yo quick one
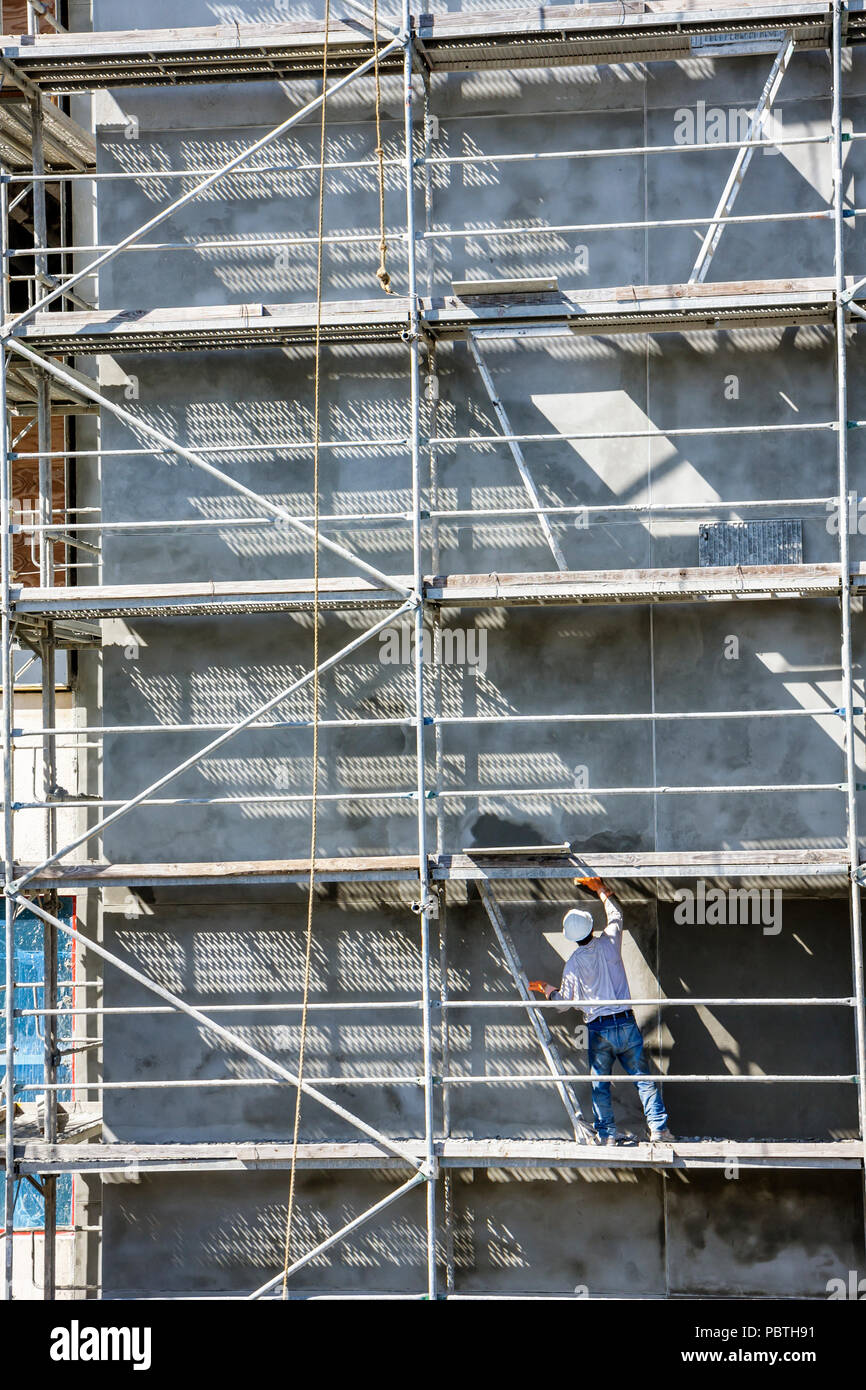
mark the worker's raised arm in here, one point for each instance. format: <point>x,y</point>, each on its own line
<point>613,913</point>
<point>612,909</point>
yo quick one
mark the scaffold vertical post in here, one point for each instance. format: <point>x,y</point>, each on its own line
<point>425,901</point>
<point>845,566</point>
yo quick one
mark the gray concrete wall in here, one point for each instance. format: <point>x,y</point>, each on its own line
<point>599,1235</point>
<point>541,1233</point>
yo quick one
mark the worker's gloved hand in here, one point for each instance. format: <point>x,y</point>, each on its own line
<point>542,987</point>
<point>593,885</point>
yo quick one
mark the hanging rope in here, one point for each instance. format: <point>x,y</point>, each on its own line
<point>315,804</point>
<point>382,273</point>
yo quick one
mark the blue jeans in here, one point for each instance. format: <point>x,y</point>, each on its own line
<point>623,1040</point>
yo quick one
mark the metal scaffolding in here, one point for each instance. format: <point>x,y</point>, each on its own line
<point>48,617</point>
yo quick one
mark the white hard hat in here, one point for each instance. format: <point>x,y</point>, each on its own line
<point>577,925</point>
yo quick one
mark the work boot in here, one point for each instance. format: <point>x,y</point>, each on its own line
<point>660,1136</point>
<point>610,1141</point>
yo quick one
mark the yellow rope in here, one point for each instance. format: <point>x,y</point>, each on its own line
<point>382,273</point>
<point>314,815</point>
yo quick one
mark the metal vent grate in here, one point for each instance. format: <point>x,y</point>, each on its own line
<point>751,543</point>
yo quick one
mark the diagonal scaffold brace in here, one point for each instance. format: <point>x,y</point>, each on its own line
<point>550,1051</point>
<point>516,452</point>
<point>226,1035</point>
<point>166,443</point>
<point>742,160</point>
<point>209,748</point>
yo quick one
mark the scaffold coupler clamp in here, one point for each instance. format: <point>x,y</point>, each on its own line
<point>427,904</point>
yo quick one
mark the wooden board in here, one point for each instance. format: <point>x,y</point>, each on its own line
<point>611,586</point>
<point>477,40</point>
<point>214,597</point>
<point>648,865</point>
<point>36,1156</point>
<point>455,590</point>
<point>625,308</point>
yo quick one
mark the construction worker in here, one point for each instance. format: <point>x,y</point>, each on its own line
<point>595,971</point>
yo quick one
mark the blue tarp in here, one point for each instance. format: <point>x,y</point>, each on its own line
<point>29,1032</point>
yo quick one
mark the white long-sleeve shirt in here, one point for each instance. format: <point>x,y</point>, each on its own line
<point>595,970</point>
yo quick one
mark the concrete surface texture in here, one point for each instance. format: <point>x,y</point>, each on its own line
<point>781,1232</point>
